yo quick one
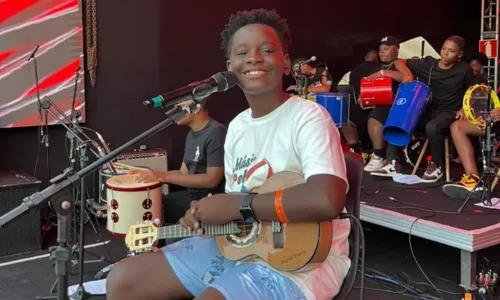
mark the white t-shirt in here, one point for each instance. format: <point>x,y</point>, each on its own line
<point>298,136</point>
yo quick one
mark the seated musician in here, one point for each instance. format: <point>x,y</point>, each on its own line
<point>202,169</point>
<point>461,131</point>
<point>357,131</point>
<point>391,66</point>
<point>477,60</point>
<point>448,78</point>
<point>277,133</point>
<point>317,77</point>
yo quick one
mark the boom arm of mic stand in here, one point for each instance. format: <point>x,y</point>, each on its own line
<point>68,178</point>
<point>47,104</point>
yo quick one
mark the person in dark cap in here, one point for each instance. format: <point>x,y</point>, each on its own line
<point>391,66</point>
<point>448,79</point>
<point>477,60</point>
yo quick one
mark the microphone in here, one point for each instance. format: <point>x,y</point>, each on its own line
<point>32,54</point>
<point>219,82</point>
<point>313,58</point>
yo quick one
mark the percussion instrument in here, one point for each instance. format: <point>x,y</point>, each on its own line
<point>410,103</point>
<point>337,104</point>
<point>154,159</point>
<point>130,202</point>
<point>476,104</point>
<point>104,175</point>
<point>412,151</point>
<point>375,92</point>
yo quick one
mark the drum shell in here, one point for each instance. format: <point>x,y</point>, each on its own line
<point>375,92</point>
<point>337,105</point>
<point>104,175</point>
<point>410,103</point>
<point>129,205</point>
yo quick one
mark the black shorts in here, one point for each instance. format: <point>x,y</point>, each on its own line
<point>360,116</point>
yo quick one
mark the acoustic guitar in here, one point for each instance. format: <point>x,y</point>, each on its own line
<point>286,247</point>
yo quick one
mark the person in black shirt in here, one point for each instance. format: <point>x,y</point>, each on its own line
<point>448,78</point>
<point>202,169</point>
<point>317,78</point>
<point>357,131</point>
<point>391,66</point>
<point>477,60</point>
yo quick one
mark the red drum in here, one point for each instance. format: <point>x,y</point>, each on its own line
<point>375,92</point>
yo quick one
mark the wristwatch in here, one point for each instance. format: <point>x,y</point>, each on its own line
<point>246,209</point>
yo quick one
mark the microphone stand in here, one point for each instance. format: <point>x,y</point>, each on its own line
<point>82,150</point>
<point>63,206</point>
<point>69,178</point>
<point>44,135</point>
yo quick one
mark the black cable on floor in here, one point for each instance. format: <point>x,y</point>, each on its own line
<point>386,281</point>
<point>415,258</point>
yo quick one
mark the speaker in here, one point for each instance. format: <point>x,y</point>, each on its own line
<point>24,233</point>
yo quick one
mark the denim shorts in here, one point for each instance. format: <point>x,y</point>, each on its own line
<point>198,264</point>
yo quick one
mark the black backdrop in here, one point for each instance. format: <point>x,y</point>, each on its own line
<point>148,47</point>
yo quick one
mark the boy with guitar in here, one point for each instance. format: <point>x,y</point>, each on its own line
<point>278,133</point>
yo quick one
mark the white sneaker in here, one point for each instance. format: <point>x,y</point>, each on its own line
<point>432,174</point>
<point>376,163</point>
<point>390,169</point>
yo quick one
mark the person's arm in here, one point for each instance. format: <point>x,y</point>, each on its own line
<point>215,165</point>
<point>404,70</point>
<point>325,85</point>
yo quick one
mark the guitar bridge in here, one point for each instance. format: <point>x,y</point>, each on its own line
<point>278,241</point>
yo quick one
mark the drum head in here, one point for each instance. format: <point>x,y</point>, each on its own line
<point>128,183</point>
<point>413,150</point>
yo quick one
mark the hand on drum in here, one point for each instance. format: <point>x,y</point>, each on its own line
<point>212,210</point>
<point>460,114</point>
<point>148,176</point>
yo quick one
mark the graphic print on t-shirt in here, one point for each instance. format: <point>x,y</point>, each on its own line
<point>250,173</point>
<point>197,154</point>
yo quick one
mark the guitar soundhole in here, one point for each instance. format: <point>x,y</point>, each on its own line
<point>246,229</point>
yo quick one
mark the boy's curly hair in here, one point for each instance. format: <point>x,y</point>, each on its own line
<point>256,16</point>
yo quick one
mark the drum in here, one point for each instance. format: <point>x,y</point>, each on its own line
<point>412,152</point>
<point>104,175</point>
<point>130,202</point>
<point>375,92</point>
<point>410,103</point>
<point>337,104</point>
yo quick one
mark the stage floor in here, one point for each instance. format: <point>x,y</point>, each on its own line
<point>423,210</point>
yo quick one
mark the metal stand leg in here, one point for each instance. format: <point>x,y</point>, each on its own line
<point>468,268</point>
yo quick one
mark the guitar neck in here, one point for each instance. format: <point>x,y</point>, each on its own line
<point>177,231</point>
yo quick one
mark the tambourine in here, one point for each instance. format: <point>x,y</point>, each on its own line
<point>475,103</point>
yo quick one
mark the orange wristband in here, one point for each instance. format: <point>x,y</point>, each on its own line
<point>278,206</point>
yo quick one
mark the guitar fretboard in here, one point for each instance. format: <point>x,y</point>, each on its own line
<point>177,231</point>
